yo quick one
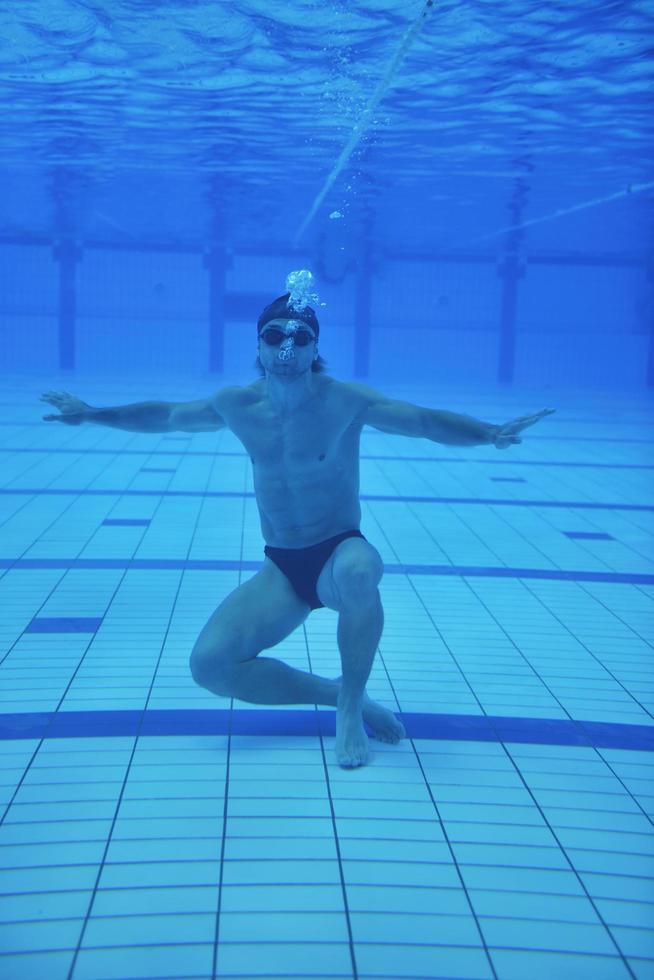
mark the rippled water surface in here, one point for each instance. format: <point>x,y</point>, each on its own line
<point>252,101</point>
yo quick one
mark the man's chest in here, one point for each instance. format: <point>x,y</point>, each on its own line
<point>313,433</point>
<point>304,439</point>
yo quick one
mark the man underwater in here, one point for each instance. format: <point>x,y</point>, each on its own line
<point>301,429</point>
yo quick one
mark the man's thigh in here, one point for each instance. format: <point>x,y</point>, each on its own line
<point>256,616</point>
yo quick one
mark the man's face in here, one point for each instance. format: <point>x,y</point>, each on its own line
<point>287,346</point>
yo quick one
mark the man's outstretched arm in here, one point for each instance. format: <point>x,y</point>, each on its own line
<point>438,425</point>
<point>198,416</point>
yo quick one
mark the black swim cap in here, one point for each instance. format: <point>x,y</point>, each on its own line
<point>279,309</point>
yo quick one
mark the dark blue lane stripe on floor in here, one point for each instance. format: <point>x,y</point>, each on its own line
<point>126,522</point>
<point>225,565</point>
<point>514,461</point>
<point>222,721</point>
<point>385,498</point>
<point>589,535</point>
<point>591,439</point>
<point>392,459</point>
<point>64,624</point>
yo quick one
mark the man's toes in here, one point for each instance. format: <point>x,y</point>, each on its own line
<point>351,760</point>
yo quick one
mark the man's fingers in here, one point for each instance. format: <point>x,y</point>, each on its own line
<point>525,420</point>
<point>67,419</point>
<point>541,415</point>
<point>536,415</point>
<point>507,436</point>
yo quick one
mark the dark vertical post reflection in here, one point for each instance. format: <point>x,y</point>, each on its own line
<point>67,253</point>
<point>363,286</point>
<point>362,313</point>
<point>511,269</point>
<point>216,263</point>
<point>649,272</point>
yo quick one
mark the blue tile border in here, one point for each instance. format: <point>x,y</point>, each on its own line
<point>386,498</point>
<point>475,728</point>
<point>369,456</point>
<point>64,624</point>
<point>226,565</point>
<point>27,423</point>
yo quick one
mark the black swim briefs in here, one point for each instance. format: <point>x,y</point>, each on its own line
<point>302,566</point>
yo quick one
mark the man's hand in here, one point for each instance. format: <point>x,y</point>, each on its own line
<point>73,410</point>
<point>507,434</point>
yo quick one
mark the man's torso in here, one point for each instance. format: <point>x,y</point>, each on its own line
<point>306,463</point>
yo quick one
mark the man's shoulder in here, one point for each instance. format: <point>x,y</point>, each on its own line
<point>237,394</point>
<point>356,400</point>
<point>359,393</point>
<point>234,397</point>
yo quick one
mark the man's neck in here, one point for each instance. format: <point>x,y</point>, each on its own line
<point>289,393</point>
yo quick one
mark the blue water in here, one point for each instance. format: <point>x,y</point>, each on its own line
<point>473,192</point>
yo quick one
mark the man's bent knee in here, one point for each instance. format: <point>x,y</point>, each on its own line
<point>213,671</point>
<point>357,586</point>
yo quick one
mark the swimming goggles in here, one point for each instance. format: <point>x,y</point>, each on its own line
<point>273,337</point>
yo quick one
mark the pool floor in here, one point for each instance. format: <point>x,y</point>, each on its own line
<point>152,830</point>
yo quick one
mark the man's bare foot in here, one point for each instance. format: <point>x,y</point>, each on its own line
<point>385,726</point>
<point>351,740</point>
